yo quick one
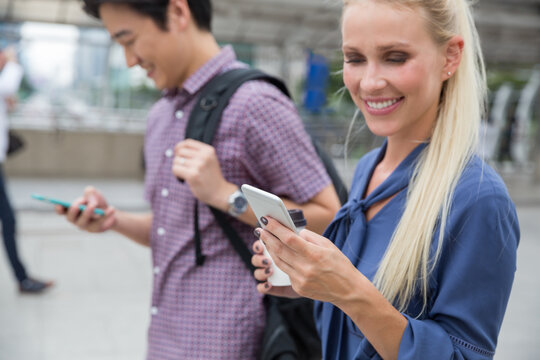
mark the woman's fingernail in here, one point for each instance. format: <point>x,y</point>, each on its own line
<point>264,220</point>
<point>267,271</point>
<point>265,262</point>
<point>266,286</point>
<point>257,248</point>
<point>257,233</point>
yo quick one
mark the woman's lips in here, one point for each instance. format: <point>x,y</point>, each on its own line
<point>382,106</point>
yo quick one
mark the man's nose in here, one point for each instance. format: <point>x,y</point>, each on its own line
<point>131,58</point>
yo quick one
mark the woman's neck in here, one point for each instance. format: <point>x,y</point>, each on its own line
<point>396,152</point>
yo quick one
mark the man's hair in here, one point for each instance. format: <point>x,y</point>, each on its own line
<point>201,10</point>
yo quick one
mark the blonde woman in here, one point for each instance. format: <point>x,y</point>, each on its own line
<point>420,262</point>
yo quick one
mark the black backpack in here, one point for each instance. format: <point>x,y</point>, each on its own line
<point>290,331</point>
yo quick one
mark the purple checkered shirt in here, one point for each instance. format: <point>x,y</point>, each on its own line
<point>213,311</point>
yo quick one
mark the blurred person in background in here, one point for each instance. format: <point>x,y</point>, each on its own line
<point>419,264</point>
<point>11,74</point>
<point>208,310</point>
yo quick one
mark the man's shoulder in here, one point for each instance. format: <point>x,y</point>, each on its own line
<point>256,99</point>
<point>261,92</point>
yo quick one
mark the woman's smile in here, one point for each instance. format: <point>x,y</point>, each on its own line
<point>382,106</point>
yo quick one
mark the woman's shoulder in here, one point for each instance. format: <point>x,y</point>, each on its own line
<point>480,182</point>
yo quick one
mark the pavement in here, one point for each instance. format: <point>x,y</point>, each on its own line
<point>99,306</point>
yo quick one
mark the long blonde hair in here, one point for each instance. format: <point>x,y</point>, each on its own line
<point>405,267</point>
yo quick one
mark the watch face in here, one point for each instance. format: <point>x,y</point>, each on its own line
<point>240,203</point>
<point>237,204</point>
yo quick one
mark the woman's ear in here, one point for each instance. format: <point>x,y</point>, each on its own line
<point>453,52</point>
<point>178,15</point>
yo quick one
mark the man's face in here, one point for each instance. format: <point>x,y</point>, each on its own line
<point>145,44</point>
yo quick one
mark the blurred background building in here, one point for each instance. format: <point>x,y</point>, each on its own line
<point>80,104</point>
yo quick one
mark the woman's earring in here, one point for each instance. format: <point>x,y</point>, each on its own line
<point>449,73</point>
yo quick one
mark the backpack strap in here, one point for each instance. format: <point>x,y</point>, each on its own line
<point>215,96</point>
<point>339,185</point>
<point>203,124</point>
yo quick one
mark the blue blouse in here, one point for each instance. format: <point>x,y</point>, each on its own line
<point>470,285</point>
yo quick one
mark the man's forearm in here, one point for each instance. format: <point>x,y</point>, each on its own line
<point>320,210</point>
<point>134,226</point>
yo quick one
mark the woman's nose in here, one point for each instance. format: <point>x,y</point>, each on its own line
<point>372,79</point>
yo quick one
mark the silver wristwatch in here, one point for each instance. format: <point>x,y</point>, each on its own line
<point>237,203</point>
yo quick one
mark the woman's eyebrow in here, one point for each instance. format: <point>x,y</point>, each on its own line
<point>392,46</point>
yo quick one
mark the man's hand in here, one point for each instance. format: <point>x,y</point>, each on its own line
<point>11,103</point>
<point>197,164</point>
<point>86,220</point>
<point>10,53</point>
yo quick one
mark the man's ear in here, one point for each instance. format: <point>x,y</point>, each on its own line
<point>178,15</point>
<point>453,53</point>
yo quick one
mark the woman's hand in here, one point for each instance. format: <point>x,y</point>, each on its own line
<point>263,272</point>
<point>317,268</point>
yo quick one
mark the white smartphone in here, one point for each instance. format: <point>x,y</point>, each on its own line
<point>265,204</point>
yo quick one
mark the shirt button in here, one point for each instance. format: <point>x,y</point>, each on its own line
<point>156,270</point>
<point>179,114</point>
<point>161,231</point>
<point>169,153</point>
<point>164,192</point>
<point>153,310</point>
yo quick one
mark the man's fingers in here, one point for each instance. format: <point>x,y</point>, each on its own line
<point>60,210</point>
<point>73,211</point>
<point>186,152</point>
<point>89,191</point>
<point>195,144</point>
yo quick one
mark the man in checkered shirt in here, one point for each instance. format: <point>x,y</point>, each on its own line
<point>212,311</point>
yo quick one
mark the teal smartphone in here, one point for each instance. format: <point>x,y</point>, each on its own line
<point>64,203</point>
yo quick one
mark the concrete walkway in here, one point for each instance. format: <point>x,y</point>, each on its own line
<point>99,308</point>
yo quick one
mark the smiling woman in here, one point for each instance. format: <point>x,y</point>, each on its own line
<point>420,262</point>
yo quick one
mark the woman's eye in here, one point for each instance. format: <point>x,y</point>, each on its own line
<point>398,58</point>
<point>353,60</point>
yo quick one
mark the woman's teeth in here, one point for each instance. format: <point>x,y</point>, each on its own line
<point>381,104</point>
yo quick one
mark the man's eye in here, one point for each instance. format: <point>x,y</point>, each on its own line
<point>128,42</point>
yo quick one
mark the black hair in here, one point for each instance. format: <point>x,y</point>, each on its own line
<point>201,10</point>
